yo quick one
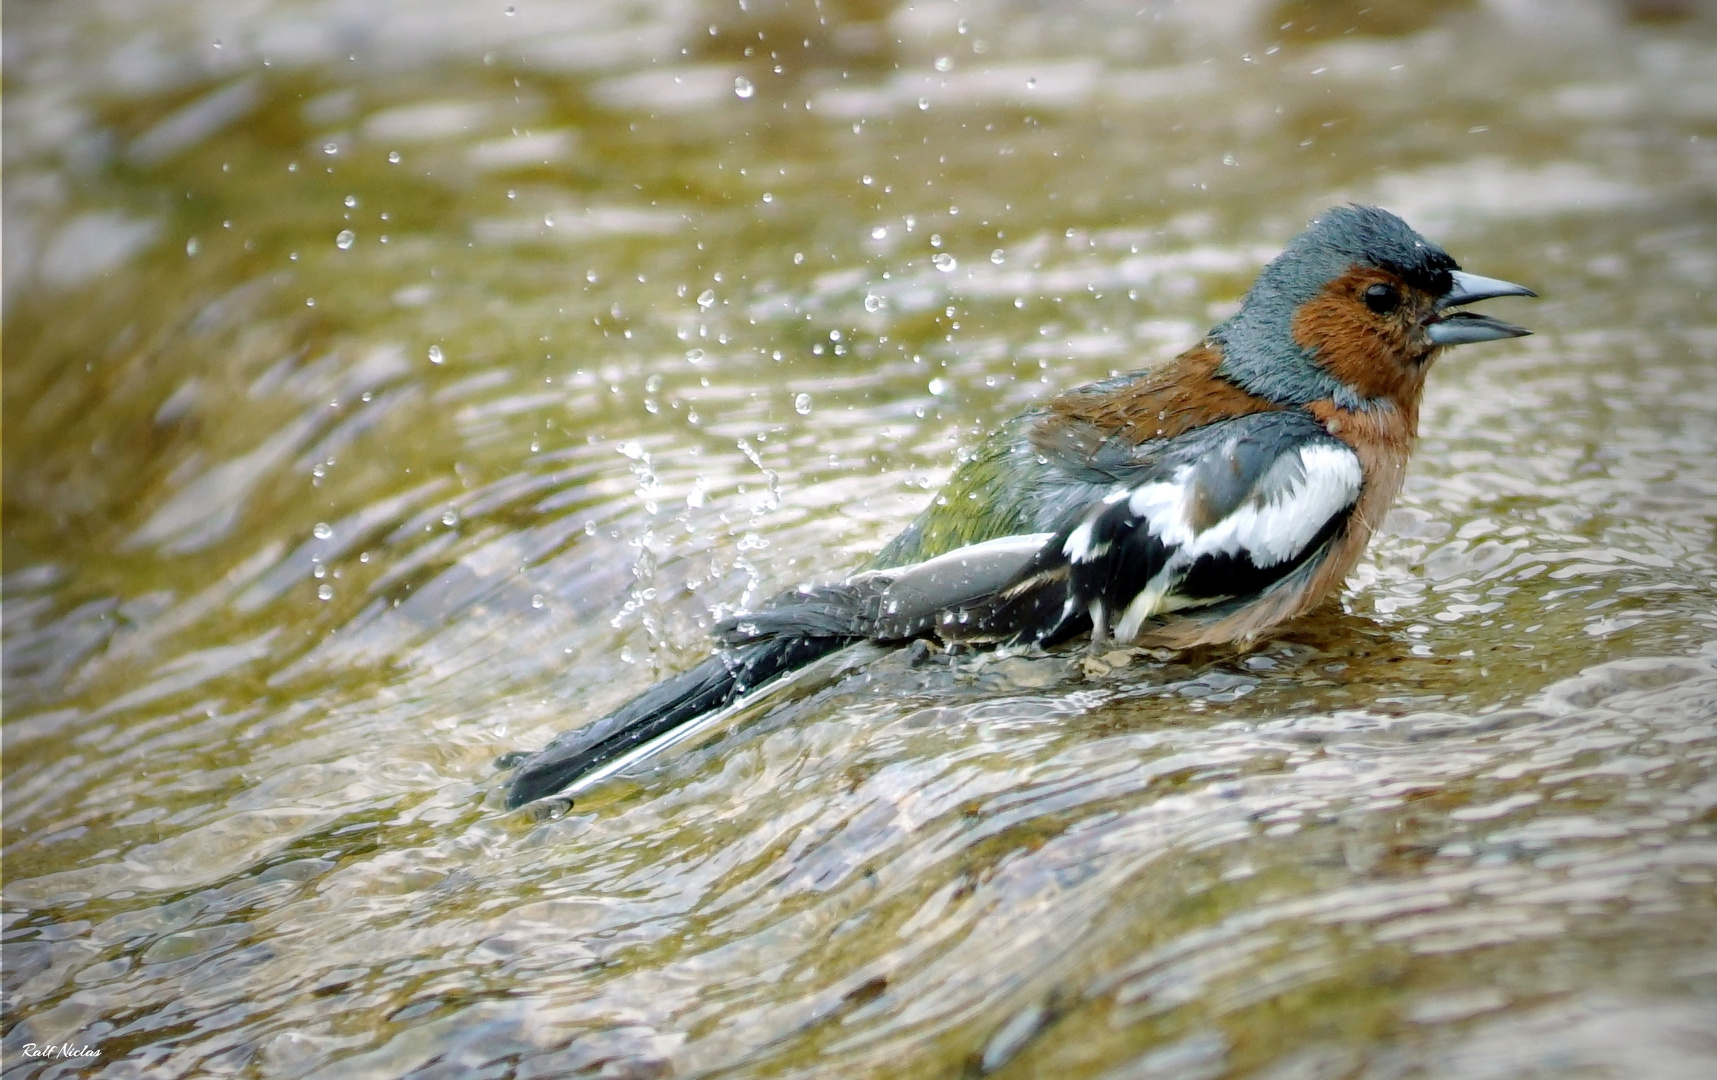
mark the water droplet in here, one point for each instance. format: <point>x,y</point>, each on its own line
<point>923,103</point>
<point>626,656</point>
<point>768,196</point>
<point>1031,83</point>
<point>742,87</point>
<point>450,517</point>
<point>694,356</point>
<point>192,246</point>
<point>548,221</point>
<point>324,592</point>
<point>996,256</point>
<point>436,356</point>
<point>937,386</point>
<point>537,600</point>
<point>872,302</point>
<point>393,157</point>
<point>346,239</point>
<point>834,335</point>
<point>631,449</point>
<point>322,531</point>
<point>944,63</point>
<point>879,233</point>
<point>351,201</point>
<point>706,299</point>
<point>1228,159</point>
<point>943,261</point>
<point>867,180</point>
<point>962,27</point>
<point>802,404</point>
<point>331,148</point>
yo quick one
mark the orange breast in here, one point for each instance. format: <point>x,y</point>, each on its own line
<point>1383,438</point>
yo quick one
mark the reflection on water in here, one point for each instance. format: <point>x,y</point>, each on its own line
<point>394,385</point>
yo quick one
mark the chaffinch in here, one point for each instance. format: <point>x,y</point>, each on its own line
<point>1203,501</point>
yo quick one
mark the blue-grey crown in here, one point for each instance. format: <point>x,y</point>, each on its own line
<point>1258,347</point>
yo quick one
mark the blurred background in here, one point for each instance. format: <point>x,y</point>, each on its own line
<point>389,386</point>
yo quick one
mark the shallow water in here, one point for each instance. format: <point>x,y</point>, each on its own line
<point>391,386</point>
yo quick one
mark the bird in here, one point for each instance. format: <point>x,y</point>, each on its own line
<point>1201,501</point>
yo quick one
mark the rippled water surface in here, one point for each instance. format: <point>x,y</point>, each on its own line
<point>389,386</point>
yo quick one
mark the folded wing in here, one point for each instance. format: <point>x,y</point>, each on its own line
<point>1220,517</point>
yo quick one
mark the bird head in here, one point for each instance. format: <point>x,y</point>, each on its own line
<point>1355,309</point>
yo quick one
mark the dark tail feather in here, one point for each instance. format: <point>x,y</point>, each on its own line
<point>787,632</point>
<point>662,708</point>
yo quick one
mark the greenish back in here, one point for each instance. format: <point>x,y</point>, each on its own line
<point>1006,488</point>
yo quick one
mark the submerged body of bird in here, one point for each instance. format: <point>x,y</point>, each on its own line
<point>1204,501</point>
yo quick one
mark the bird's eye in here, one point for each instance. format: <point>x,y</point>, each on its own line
<point>1382,298</point>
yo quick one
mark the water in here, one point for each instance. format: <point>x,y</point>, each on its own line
<point>394,386</point>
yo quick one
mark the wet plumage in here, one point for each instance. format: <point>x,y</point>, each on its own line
<point>1201,502</point>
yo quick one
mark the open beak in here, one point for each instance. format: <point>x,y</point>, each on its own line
<point>1466,327</point>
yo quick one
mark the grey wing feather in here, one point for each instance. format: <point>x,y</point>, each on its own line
<point>916,598</point>
<point>1221,513</point>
